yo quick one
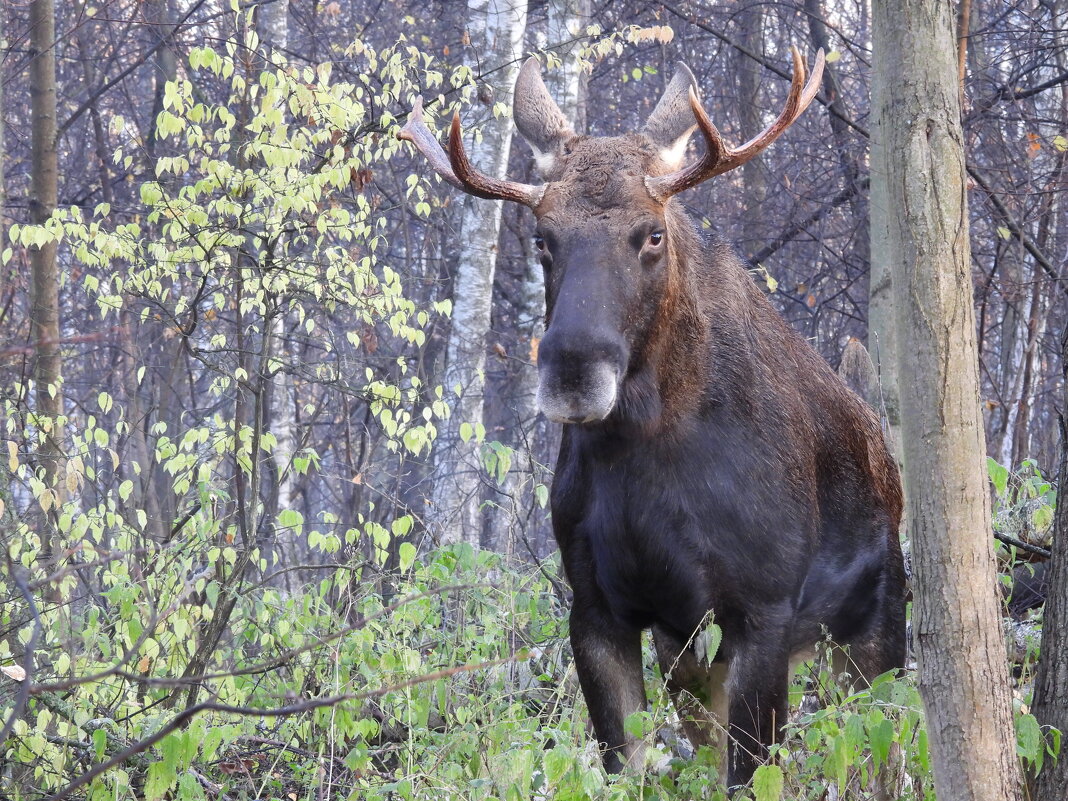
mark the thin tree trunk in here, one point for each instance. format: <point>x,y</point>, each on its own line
<point>44,316</point>
<point>754,221</point>
<point>566,26</point>
<point>3,182</point>
<point>882,337</point>
<point>516,508</point>
<point>964,681</point>
<point>1050,705</point>
<point>496,35</point>
<point>272,25</point>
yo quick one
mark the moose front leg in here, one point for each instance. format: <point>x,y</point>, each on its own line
<point>759,687</point>
<point>609,662</point>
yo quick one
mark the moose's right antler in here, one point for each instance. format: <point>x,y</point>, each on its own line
<point>718,157</point>
<point>456,167</point>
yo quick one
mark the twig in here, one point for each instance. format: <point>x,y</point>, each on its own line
<point>190,712</point>
<point>1023,546</point>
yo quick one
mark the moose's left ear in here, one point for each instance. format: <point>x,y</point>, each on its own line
<point>672,121</point>
<point>538,118</point>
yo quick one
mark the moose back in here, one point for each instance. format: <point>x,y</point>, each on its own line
<point>712,464</point>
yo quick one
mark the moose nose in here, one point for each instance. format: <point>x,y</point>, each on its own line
<point>578,378</point>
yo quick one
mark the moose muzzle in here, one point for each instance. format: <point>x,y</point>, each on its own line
<point>578,379</point>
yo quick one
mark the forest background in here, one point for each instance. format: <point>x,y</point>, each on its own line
<point>273,488</point>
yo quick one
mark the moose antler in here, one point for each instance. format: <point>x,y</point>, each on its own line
<point>456,167</point>
<point>718,157</point>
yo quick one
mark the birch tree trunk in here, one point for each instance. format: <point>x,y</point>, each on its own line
<point>496,29</point>
<point>923,209</point>
<point>272,25</point>
<point>567,21</point>
<point>44,315</point>
<point>516,509</point>
<point>754,221</point>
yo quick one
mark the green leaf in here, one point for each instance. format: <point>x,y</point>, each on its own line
<point>880,739</point>
<point>402,525</point>
<point>767,783</point>
<point>999,476</point>
<point>291,518</point>
<point>100,743</point>
<point>1042,517</point>
<point>1029,743</point>
<point>406,555</point>
<point>708,642</point>
<point>541,494</point>
<point>150,193</point>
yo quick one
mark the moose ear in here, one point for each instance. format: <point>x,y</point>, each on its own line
<point>538,118</point>
<point>672,121</point>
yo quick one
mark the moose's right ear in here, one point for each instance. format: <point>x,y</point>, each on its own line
<point>538,118</point>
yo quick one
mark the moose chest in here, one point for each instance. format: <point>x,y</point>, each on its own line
<point>657,535</point>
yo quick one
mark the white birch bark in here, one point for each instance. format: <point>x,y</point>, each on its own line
<point>515,505</point>
<point>272,24</point>
<point>496,29</point>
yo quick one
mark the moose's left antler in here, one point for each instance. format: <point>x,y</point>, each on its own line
<point>456,167</point>
<point>718,157</point>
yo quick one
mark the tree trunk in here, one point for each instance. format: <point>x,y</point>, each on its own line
<point>272,25</point>
<point>3,182</point>
<point>1050,705</point>
<point>496,29</point>
<point>44,316</point>
<point>516,509</point>
<point>566,26</point>
<point>882,337</point>
<point>964,682</point>
<point>749,72</point>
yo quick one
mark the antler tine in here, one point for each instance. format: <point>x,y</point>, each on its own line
<point>416,132</point>
<point>456,167</point>
<point>485,186</point>
<point>719,158</point>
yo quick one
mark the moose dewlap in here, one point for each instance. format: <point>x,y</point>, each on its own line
<point>711,461</point>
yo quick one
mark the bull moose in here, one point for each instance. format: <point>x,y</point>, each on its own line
<point>711,461</point>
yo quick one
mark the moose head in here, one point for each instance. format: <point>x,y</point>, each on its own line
<point>612,244</point>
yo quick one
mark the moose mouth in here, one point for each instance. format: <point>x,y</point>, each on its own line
<point>578,395</point>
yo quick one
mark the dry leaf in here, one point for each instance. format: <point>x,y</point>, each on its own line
<point>15,672</point>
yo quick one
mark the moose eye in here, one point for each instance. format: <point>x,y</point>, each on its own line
<point>539,242</point>
<point>655,238</point>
